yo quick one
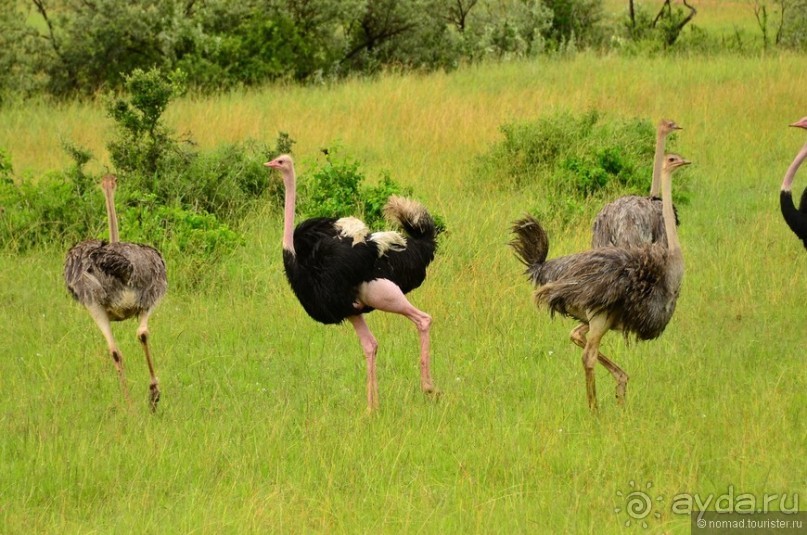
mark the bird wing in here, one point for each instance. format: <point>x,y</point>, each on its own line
<point>113,263</point>
<point>803,202</point>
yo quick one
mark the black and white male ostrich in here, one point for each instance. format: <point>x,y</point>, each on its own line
<point>117,281</point>
<point>628,289</point>
<point>633,219</point>
<point>339,270</point>
<point>795,219</point>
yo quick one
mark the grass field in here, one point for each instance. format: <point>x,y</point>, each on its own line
<point>262,426</point>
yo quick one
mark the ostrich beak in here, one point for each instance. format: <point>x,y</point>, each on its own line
<point>801,123</point>
<point>273,164</point>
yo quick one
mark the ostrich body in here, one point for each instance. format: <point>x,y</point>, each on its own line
<point>117,281</point>
<point>339,270</point>
<point>796,219</point>
<point>628,289</point>
<point>635,220</point>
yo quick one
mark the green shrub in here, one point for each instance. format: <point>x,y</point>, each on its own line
<point>577,161</point>
<point>188,204</point>
<point>336,189</point>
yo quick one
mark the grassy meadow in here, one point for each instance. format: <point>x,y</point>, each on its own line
<point>262,425</point>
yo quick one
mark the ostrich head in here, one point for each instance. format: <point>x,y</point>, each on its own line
<point>801,123</point>
<point>284,163</point>
<point>674,161</point>
<point>667,126</point>
<point>109,182</point>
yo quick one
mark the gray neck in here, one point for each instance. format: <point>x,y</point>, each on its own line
<point>658,163</point>
<point>673,245</point>
<point>794,166</point>
<point>112,217</point>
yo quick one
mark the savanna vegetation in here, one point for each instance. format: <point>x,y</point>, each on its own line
<point>262,426</point>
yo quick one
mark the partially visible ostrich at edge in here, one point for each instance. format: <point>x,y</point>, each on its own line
<point>795,219</point>
<point>628,289</point>
<point>118,281</point>
<point>634,219</point>
<point>339,270</point>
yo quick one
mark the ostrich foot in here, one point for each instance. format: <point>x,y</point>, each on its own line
<point>431,391</point>
<point>154,396</point>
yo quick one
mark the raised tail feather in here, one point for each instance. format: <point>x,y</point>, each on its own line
<point>531,243</point>
<point>412,216</point>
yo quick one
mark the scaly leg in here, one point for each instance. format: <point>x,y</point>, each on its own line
<point>102,320</point>
<point>143,335</point>
<point>383,294</point>
<point>370,347</point>
<point>598,326</point>
<point>578,336</point>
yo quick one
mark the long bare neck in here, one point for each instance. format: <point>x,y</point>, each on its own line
<point>794,166</point>
<point>658,163</point>
<point>289,181</point>
<point>673,245</point>
<point>112,217</point>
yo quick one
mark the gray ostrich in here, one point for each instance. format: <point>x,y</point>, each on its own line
<point>636,220</point>
<point>628,289</point>
<point>117,281</point>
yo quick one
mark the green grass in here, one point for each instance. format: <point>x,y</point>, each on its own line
<point>262,425</point>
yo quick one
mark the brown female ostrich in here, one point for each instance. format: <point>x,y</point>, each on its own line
<point>635,220</point>
<point>795,219</point>
<point>339,270</point>
<point>628,289</point>
<point>117,281</point>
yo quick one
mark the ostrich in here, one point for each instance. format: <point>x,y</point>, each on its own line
<point>795,219</point>
<point>636,220</point>
<point>339,270</point>
<point>117,281</point>
<point>628,289</point>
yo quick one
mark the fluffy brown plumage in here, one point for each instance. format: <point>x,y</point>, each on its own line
<point>629,289</point>
<point>633,219</point>
<point>116,281</point>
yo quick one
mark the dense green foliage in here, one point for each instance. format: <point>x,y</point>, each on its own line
<point>74,47</point>
<point>572,158</point>
<point>186,203</point>
<point>337,189</point>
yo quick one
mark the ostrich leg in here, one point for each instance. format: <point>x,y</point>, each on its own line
<point>370,347</point>
<point>578,336</point>
<point>385,295</point>
<point>598,326</point>
<point>102,320</point>
<point>143,335</point>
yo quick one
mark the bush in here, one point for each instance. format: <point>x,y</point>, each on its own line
<point>336,189</point>
<point>187,204</point>
<point>574,160</point>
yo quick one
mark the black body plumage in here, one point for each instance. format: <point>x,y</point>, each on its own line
<point>328,266</point>
<point>634,286</point>
<point>795,218</point>
<point>125,279</point>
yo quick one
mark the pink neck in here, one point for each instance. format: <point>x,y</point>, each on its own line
<point>289,181</point>
<point>791,171</point>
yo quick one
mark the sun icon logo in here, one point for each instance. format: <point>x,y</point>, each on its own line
<point>638,504</point>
